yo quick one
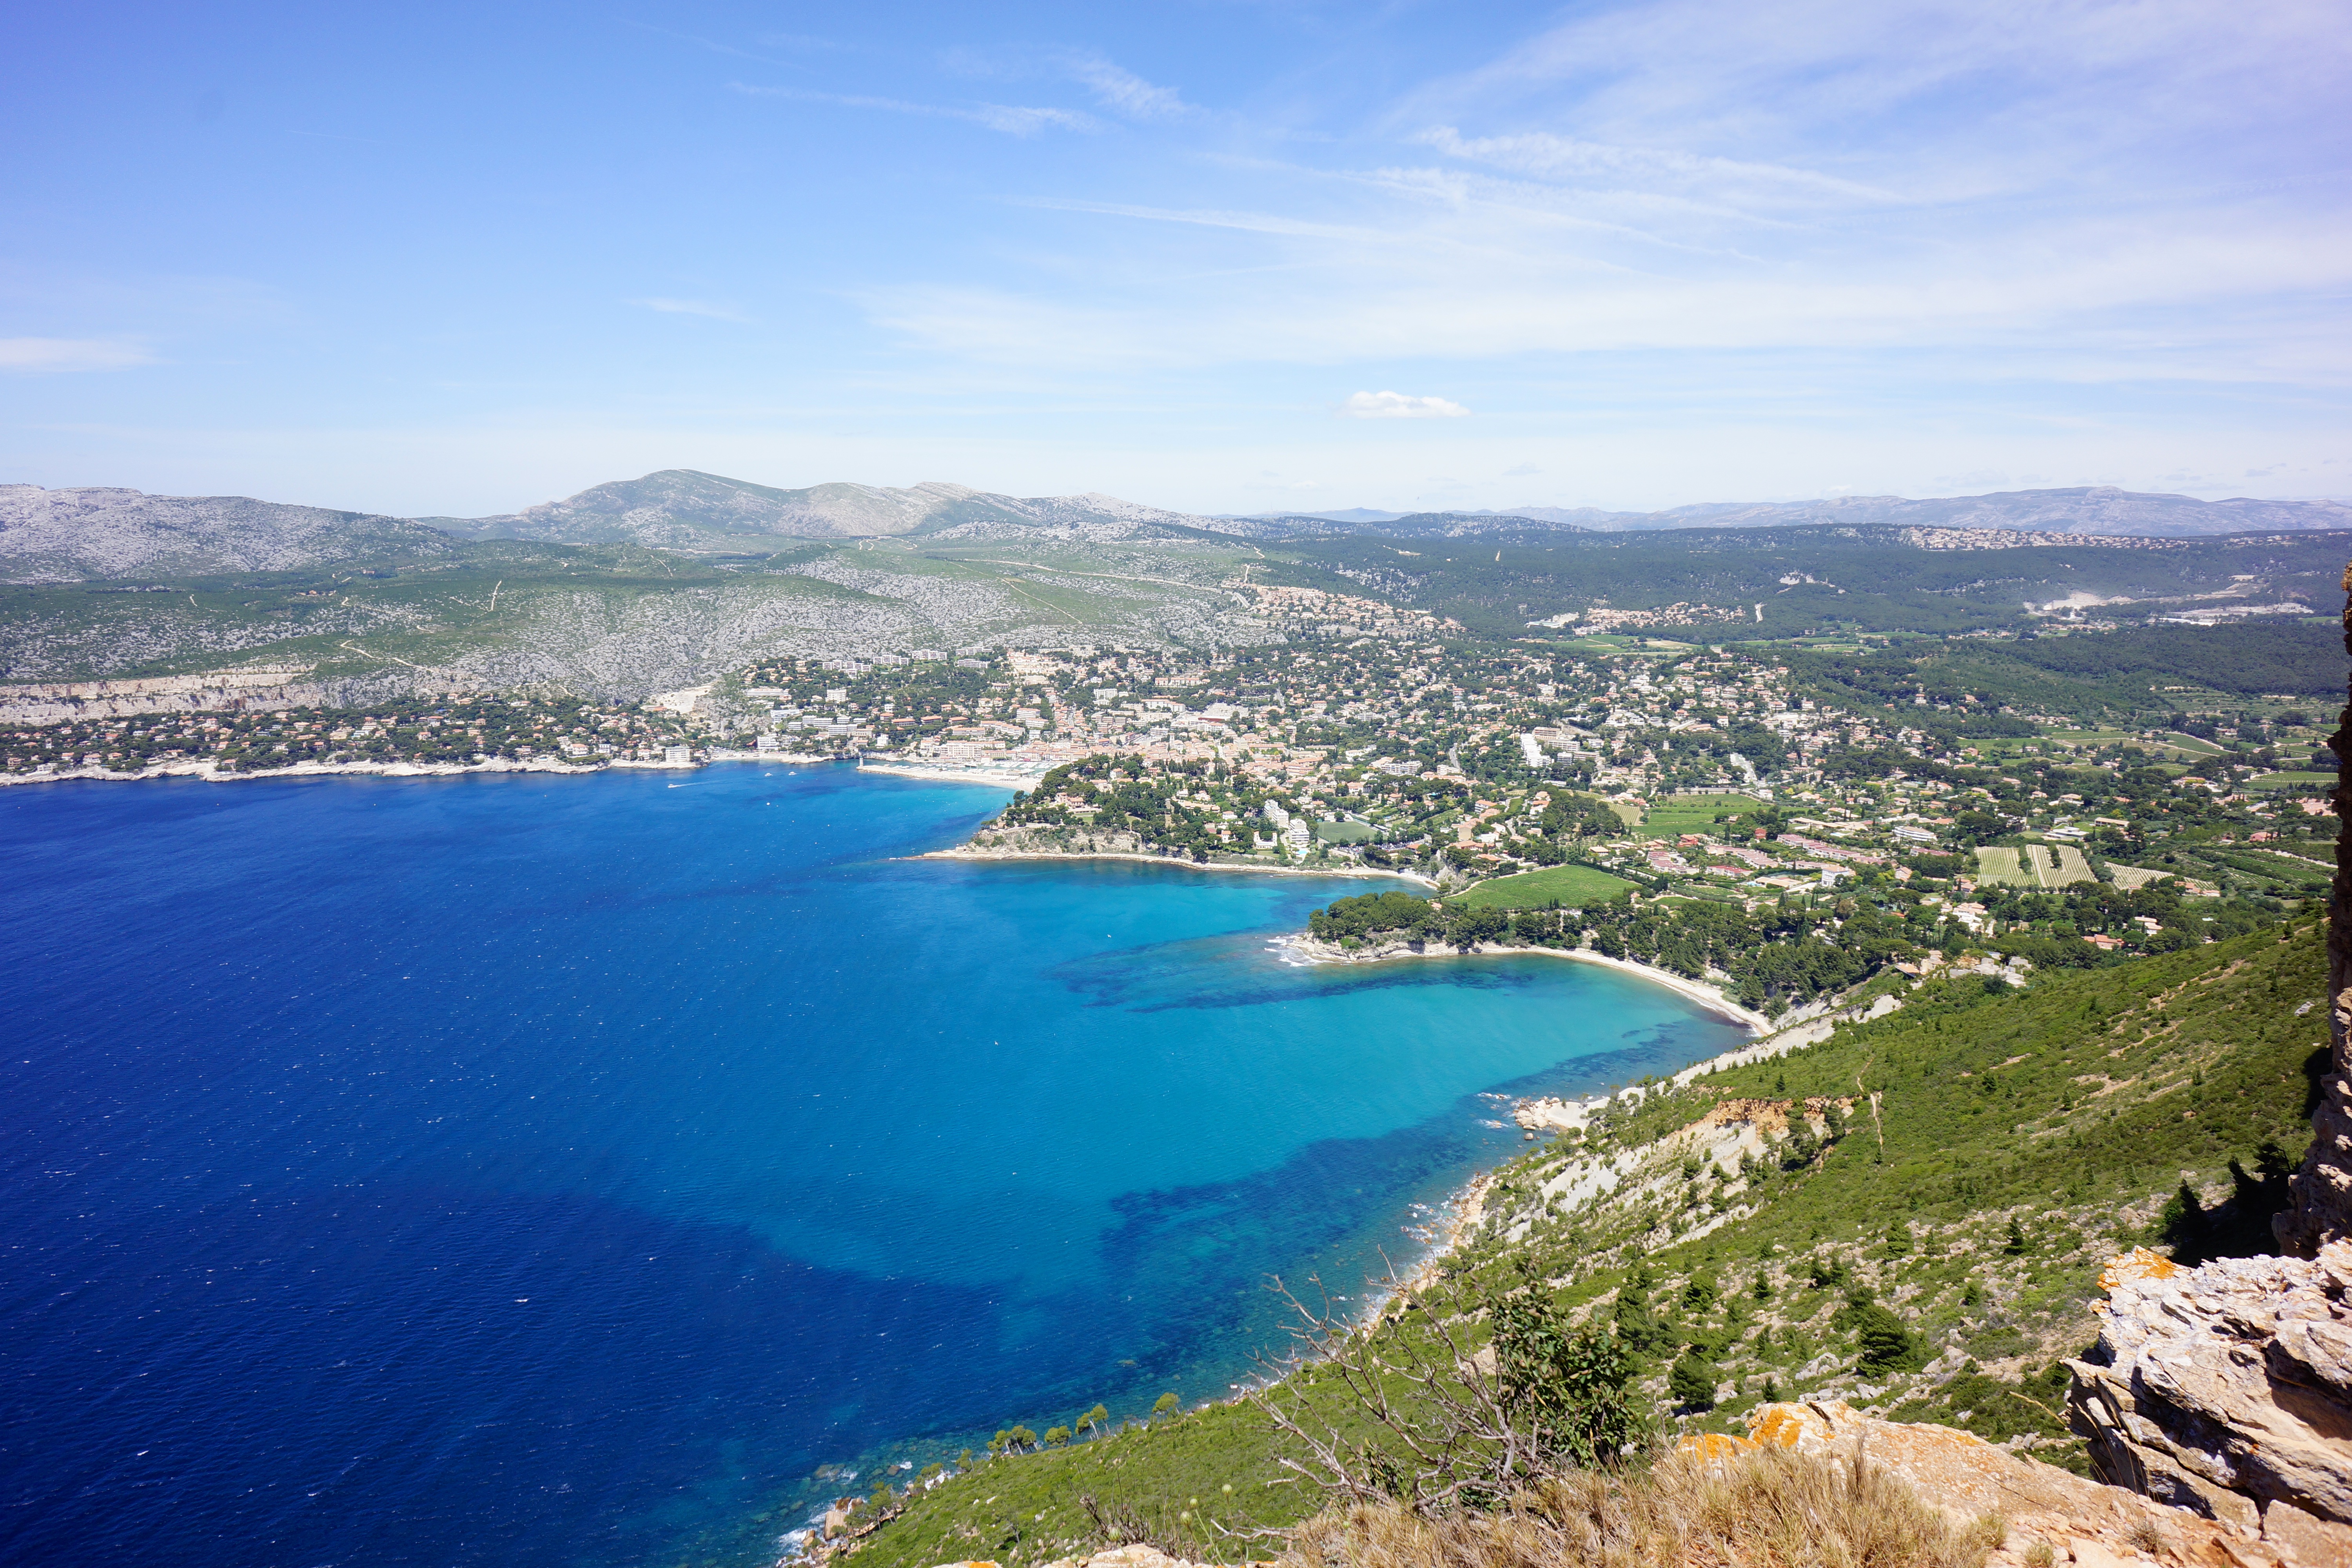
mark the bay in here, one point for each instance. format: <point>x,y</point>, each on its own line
<point>553,1170</point>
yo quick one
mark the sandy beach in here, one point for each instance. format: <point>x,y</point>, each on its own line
<point>1000,778</point>
<point>1310,950</point>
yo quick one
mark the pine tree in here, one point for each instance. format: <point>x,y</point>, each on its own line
<point>1692,1382</point>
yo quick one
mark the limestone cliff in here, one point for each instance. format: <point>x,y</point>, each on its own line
<point>2323,1188</point>
<point>2227,1388</point>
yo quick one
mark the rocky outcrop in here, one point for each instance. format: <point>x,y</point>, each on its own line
<point>1134,1556</point>
<point>2227,1389</point>
<point>2039,1506</point>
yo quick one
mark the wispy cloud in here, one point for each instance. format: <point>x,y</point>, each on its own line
<point>716,313</point>
<point>1013,120</point>
<point>1544,154</point>
<point>41,354</point>
<point>1117,89</point>
<point>1693,176</point>
<point>1398,405</point>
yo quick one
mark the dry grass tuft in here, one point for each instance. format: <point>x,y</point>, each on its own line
<point>1772,1509</point>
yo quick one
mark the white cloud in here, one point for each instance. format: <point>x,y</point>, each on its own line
<point>1122,89</point>
<point>693,308</point>
<point>1013,120</point>
<point>72,353</point>
<point>1398,405</point>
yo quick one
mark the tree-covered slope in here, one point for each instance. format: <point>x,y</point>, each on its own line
<point>1812,580</point>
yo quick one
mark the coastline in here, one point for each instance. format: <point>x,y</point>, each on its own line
<point>966,852</point>
<point>1308,950</point>
<point>1463,1210</point>
<point>203,768</point>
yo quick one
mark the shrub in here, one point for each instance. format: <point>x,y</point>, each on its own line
<point>1886,1346</point>
<point>1692,1382</point>
<point>1570,1385</point>
<point>1427,1426</point>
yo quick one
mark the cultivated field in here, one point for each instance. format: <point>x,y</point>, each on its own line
<point>1572,885</point>
<point>2034,866</point>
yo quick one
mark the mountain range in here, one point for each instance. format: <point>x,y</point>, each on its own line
<point>79,533</point>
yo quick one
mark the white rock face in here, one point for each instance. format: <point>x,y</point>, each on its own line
<point>2230,1382</point>
<point>68,535</point>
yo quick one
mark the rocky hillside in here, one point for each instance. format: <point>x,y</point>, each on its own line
<point>76,535</point>
<point>679,509</point>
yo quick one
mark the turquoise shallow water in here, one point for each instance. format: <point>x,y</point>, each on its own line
<point>552,1170</point>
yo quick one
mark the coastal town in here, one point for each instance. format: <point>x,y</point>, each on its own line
<point>1572,771</point>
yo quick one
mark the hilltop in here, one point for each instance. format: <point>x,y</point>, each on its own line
<point>680,508</point>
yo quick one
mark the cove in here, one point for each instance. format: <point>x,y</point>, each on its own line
<point>542,1170</point>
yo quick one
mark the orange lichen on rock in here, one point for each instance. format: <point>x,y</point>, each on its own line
<point>1709,1446</point>
<point>2139,1263</point>
<point>2039,1505</point>
<point>1780,1426</point>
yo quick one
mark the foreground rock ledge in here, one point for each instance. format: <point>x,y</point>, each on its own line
<point>2227,1388</point>
<point>2079,1521</point>
<point>2050,1516</point>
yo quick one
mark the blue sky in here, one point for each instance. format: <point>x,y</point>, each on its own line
<point>1221,256</point>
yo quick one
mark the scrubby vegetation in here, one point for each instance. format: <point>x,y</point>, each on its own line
<point>1778,1507</point>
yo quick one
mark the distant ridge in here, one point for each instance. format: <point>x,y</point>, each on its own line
<point>2085,509</point>
<point>76,533</point>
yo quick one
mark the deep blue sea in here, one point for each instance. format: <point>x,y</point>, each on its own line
<point>528,1170</point>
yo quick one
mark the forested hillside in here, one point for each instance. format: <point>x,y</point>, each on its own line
<point>1814,580</point>
<point>2139,669</point>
